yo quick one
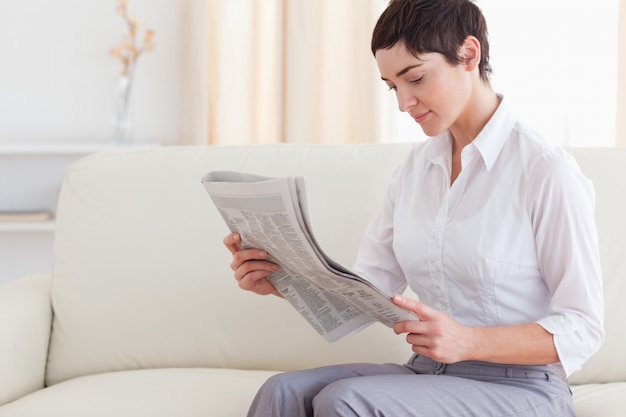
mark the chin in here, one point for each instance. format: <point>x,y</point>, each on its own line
<point>431,131</point>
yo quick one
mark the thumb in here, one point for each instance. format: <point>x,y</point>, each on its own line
<point>421,310</point>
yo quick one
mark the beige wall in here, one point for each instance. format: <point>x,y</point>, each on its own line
<point>621,77</point>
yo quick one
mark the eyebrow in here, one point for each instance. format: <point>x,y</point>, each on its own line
<point>404,71</point>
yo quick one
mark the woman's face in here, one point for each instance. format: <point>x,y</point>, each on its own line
<point>427,87</point>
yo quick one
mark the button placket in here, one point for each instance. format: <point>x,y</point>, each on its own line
<point>435,253</point>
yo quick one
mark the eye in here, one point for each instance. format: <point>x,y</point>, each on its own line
<point>416,81</point>
<point>392,87</point>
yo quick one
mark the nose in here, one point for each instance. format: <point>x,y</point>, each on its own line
<point>406,99</point>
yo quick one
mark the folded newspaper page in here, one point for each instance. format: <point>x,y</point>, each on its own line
<point>272,214</point>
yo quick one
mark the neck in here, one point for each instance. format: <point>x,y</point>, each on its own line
<point>481,105</point>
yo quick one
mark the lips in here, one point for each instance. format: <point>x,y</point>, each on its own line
<point>419,118</point>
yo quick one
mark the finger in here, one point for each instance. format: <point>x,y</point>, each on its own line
<point>418,340</point>
<point>246,255</point>
<point>256,281</point>
<point>232,242</point>
<point>253,278</point>
<point>255,270</point>
<point>410,326</point>
<point>421,310</point>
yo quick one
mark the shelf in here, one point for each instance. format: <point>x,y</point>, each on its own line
<point>63,148</point>
<point>45,226</point>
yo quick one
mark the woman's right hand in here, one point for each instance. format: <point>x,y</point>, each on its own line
<point>251,267</point>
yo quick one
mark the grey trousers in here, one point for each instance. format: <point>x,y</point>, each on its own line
<point>421,387</point>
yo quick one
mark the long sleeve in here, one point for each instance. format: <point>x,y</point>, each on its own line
<point>376,260</point>
<point>562,213</point>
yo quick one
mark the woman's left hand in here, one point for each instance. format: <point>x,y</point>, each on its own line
<point>436,335</point>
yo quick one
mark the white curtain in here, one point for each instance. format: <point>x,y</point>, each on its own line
<point>292,71</point>
<point>301,71</point>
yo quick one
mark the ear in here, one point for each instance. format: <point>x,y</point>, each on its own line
<point>470,53</point>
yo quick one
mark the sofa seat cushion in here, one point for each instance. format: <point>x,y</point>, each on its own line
<point>155,392</point>
<point>600,400</point>
<point>186,392</point>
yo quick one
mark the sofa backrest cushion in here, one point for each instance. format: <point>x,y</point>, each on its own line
<point>141,278</point>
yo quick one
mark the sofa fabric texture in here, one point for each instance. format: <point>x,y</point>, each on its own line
<point>141,314</point>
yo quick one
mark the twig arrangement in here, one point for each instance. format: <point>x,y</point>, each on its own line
<point>128,52</point>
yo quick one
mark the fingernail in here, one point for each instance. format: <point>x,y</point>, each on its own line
<point>262,254</point>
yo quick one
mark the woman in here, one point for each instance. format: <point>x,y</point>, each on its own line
<point>490,225</point>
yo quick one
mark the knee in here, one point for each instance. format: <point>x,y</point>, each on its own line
<point>276,385</point>
<point>274,398</point>
<point>336,399</point>
<point>287,394</point>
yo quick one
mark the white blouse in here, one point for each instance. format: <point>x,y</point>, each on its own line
<point>512,241</point>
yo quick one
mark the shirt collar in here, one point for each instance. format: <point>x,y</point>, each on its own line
<point>438,151</point>
<point>492,138</point>
<point>489,141</point>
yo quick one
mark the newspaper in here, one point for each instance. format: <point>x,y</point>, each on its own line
<point>272,214</point>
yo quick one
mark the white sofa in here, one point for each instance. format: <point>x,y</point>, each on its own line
<point>142,317</point>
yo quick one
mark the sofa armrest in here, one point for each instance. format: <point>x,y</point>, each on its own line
<point>25,324</point>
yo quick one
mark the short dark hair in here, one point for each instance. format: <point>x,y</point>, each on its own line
<point>433,26</point>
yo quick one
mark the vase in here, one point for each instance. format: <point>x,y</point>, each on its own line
<point>122,120</point>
